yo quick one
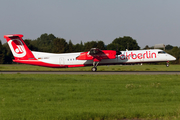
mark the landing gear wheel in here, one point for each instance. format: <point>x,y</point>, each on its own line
<point>94,69</point>
<point>167,64</point>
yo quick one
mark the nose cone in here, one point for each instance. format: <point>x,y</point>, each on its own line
<point>172,58</point>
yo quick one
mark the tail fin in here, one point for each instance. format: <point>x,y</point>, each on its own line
<point>18,47</point>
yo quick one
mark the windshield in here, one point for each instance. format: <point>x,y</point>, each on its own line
<point>161,52</point>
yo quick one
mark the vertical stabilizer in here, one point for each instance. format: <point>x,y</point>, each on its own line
<point>19,49</point>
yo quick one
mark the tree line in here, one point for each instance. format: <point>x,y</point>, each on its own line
<point>50,43</point>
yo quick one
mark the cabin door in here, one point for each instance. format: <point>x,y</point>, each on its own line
<point>61,61</point>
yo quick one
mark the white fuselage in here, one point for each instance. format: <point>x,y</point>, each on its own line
<point>134,56</point>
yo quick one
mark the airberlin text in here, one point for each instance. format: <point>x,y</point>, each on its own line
<point>146,55</point>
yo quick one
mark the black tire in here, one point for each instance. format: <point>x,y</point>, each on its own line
<point>94,69</point>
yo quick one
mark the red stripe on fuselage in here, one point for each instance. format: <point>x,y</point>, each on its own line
<point>40,63</point>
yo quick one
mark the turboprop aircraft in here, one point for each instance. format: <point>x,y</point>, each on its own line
<point>94,57</point>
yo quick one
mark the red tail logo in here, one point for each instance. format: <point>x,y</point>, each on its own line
<point>17,47</point>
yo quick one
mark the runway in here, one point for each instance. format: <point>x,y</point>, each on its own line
<point>94,73</point>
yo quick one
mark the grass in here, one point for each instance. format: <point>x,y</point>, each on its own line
<point>22,67</point>
<point>91,97</point>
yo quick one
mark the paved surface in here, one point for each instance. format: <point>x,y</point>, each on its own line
<point>89,72</point>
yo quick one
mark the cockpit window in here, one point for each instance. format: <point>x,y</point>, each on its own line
<point>161,52</point>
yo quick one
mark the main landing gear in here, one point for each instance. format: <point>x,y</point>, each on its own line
<point>94,68</point>
<point>167,64</point>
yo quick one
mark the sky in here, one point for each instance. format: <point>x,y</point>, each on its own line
<point>149,22</point>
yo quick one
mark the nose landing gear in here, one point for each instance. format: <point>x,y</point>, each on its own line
<point>167,64</point>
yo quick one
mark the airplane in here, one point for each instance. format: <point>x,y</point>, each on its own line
<point>22,54</point>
